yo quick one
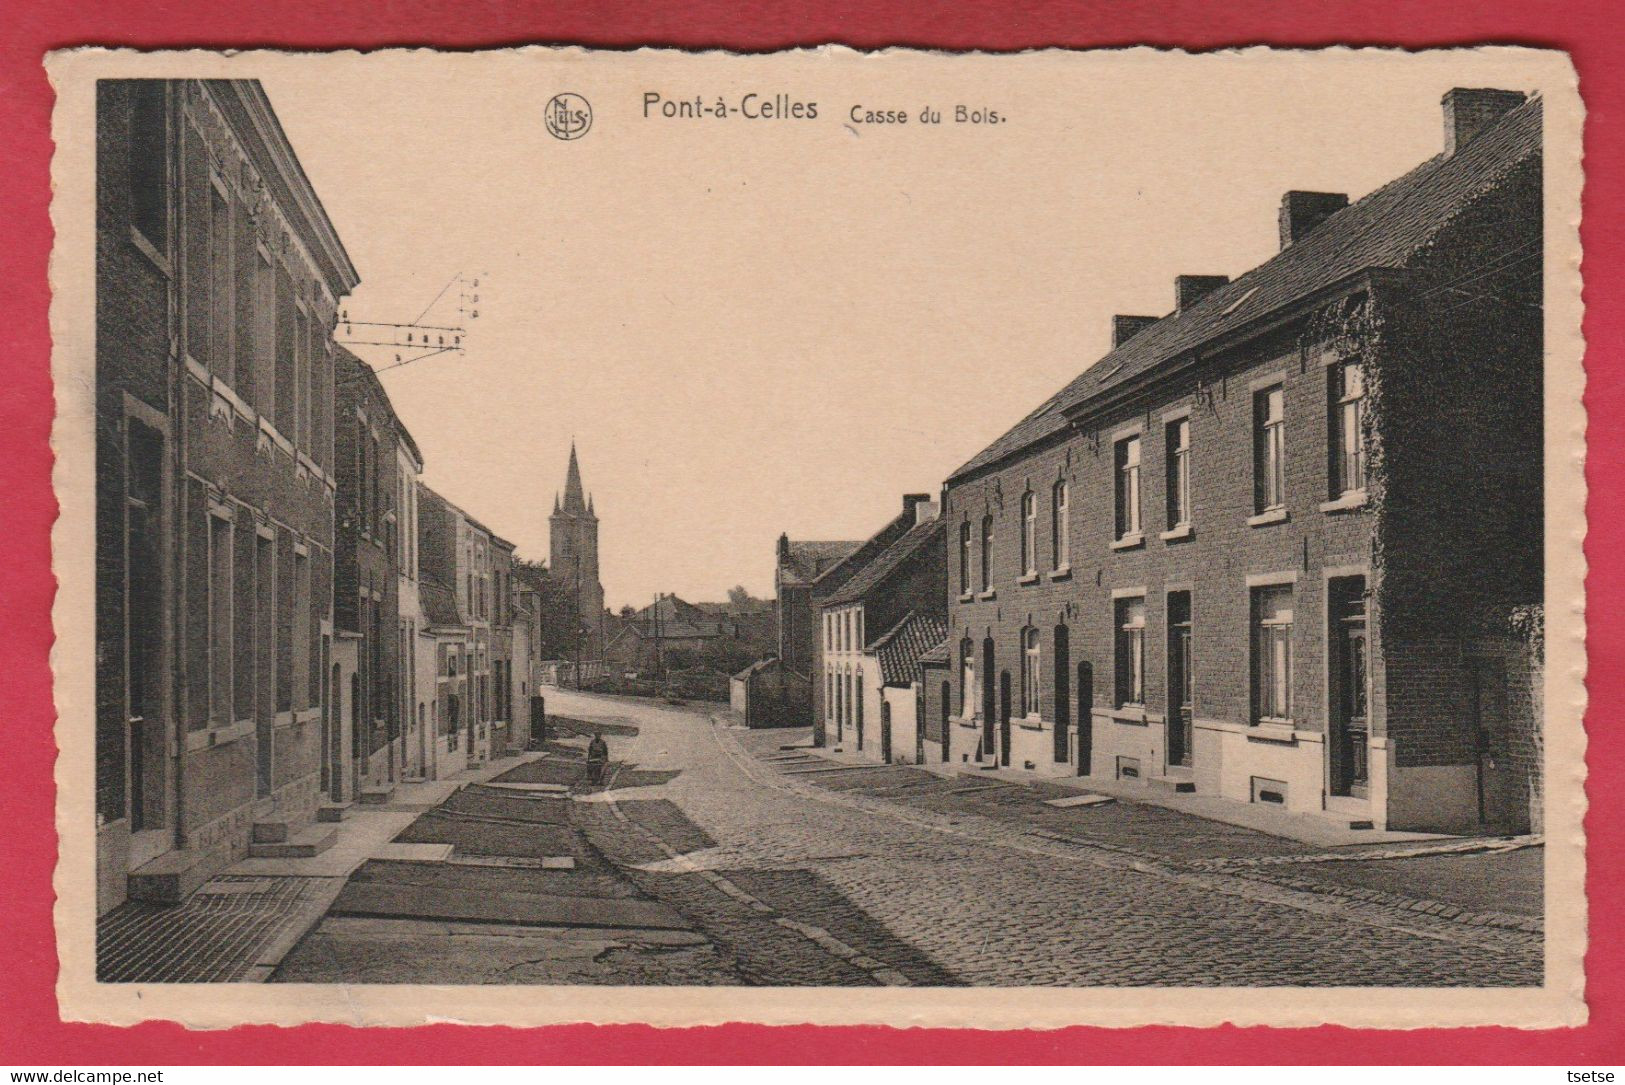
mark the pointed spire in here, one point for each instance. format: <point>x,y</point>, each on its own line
<point>555,501</point>
<point>574,500</point>
<point>589,504</point>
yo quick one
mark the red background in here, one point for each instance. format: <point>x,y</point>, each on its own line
<point>30,1032</point>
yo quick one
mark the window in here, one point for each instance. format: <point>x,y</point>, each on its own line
<point>1179,472</point>
<point>149,209</point>
<point>221,314</point>
<point>1060,526</point>
<point>987,553</point>
<point>1029,533</point>
<point>1130,620</point>
<point>1128,487</point>
<point>220,614</point>
<point>1029,672</point>
<point>301,628</point>
<point>964,557</point>
<point>1272,653</point>
<point>967,679</point>
<point>1347,430</point>
<point>1269,450</point>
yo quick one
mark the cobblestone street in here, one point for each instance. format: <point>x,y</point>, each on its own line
<point>789,870</point>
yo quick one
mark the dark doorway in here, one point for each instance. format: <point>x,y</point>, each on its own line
<point>1501,805</point>
<point>1180,679</point>
<point>885,729</point>
<point>1004,718</point>
<point>857,706</point>
<point>990,703</point>
<point>1063,694</point>
<point>146,713</point>
<point>1086,722</point>
<point>334,754</point>
<point>1346,611</point>
<point>947,696</point>
<point>358,737</point>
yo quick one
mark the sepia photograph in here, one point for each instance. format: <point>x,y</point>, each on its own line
<point>557,531</point>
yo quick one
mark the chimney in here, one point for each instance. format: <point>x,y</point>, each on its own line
<point>911,503</point>
<point>1125,328</point>
<point>925,512</point>
<point>1190,289</point>
<point>1303,211</point>
<point>784,548</point>
<point>1469,111</point>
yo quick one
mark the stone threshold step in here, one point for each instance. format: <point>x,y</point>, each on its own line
<point>1178,785</point>
<point>304,844</point>
<point>168,879</point>
<point>332,812</point>
<point>371,796</point>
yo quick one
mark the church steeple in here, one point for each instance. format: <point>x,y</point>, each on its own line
<point>574,499</point>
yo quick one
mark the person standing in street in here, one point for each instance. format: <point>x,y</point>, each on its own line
<point>597,759</point>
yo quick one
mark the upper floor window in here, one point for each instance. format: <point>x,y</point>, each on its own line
<point>1060,528</point>
<point>987,553</point>
<point>1127,455</point>
<point>1030,659</point>
<point>1269,449</point>
<point>1347,431</point>
<point>149,185</point>
<point>964,557</point>
<point>1029,533</point>
<point>1129,615</point>
<point>1179,472</point>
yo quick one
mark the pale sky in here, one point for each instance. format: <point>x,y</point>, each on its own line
<point>760,326</point>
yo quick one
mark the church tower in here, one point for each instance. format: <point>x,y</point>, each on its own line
<point>573,555</point>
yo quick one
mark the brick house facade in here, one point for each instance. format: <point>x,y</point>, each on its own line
<point>1267,548</point>
<point>218,279</point>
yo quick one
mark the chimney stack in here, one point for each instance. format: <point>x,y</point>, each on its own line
<point>1303,211</point>
<point>1469,111</point>
<point>1125,328</point>
<point>1190,289</point>
<point>910,503</point>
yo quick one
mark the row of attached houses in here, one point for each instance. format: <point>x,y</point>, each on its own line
<point>1283,545</point>
<point>287,619</point>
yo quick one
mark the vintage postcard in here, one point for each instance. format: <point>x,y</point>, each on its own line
<point>1004,541</point>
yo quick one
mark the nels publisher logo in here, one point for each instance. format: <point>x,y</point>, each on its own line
<point>567,116</point>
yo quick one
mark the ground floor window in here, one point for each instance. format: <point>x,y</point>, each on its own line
<point>1030,658</point>
<point>1130,654</point>
<point>1272,653</point>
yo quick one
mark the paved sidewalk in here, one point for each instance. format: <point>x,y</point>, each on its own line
<point>239,925</point>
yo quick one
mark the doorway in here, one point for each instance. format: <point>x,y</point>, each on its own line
<point>148,800</point>
<point>1180,680</point>
<point>885,729</point>
<point>358,736</point>
<point>857,706</point>
<point>1347,668</point>
<point>1004,718</point>
<point>1501,806</point>
<point>1086,722</point>
<point>947,698</point>
<point>1063,694</point>
<point>990,703</point>
<point>335,737</point>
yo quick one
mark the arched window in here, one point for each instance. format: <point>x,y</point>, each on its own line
<point>964,557</point>
<point>1029,672</point>
<point>1029,533</point>
<point>1061,525</point>
<point>987,553</point>
<point>967,682</point>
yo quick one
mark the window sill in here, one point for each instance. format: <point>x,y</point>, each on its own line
<point>1268,516</point>
<point>1279,732</point>
<point>150,251</point>
<point>1129,542</point>
<point>1130,714</point>
<point>968,724</point>
<point>219,736</point>
<point>1061,572</point>
<point>991,593</point>
<point>1354,499</point>
<point>1175,534</point>
<point>1028,578</point>
<point>965,596</point>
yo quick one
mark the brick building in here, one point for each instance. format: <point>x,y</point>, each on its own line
<point>1284,544</point>
<point>895,601</point>
<point>797,567</point>
<point>500,606</point>
<point>370,444</point>
<point>218,277</point>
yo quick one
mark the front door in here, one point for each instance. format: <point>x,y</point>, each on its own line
<point>1350,722</point>
<point>1086,722</point>
<point>990,702</point>
<point>1179,679</point>
<point>1500,804</point>
<point>857,706</point>
<point>150,805</point>
<point>1063,695</point>
<point>885,729</point>
<point>1004,718</point>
